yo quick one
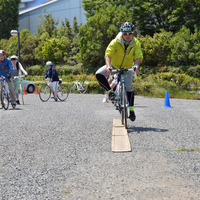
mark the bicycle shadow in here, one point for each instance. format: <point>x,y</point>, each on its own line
<point>145,129</point>
<point>15,109</point>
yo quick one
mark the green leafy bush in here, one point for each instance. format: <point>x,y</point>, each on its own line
<point>194,71</point>
<point>36,70</point>
<point>156,49</point>
<point>185,47</point>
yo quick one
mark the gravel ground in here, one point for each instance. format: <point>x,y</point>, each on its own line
<point>62,150</point>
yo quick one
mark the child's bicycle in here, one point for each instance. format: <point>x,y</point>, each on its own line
<point>80,87</point>
<point>18,86</point>
<point>46,90</point>
<point>5,94</point>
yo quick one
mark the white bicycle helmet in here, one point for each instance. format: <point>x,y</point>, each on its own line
<point>49,63</point>
<point>13,57</point>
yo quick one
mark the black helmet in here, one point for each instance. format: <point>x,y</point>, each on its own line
<point>127,26</point>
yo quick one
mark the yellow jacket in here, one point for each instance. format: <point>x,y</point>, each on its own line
<point>116,51</point>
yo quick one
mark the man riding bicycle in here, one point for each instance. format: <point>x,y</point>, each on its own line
<point>121,53</point>
<point>6,69</point>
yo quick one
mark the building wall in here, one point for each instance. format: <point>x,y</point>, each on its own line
<point>30,3</point>
<point>60,10</point>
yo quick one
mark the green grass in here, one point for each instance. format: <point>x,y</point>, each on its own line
<point>66,191</point>
<point>189,150</point>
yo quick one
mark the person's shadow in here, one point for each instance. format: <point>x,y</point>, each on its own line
<point>145,129</point>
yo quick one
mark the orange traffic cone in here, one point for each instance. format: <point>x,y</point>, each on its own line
<point>25,93</point>
<point>37,92</point>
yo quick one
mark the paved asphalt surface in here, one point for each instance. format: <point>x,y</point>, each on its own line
<point>62,150</point>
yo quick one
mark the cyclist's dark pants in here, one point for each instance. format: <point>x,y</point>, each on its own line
<point>102,77</point>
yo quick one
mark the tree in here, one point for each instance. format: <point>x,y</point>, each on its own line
<point>156,49</point>
<point>47,24</point>
<point>185,48</point>
<point>28,45</point>
<point>97,33</point>
<point>152,15</point>
<point>56,49</point>
<point>187,13</point>
<point>8,17</point>
<point>93,6</point>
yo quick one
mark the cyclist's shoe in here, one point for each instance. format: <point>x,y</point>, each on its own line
<point>18,102</point>
<point>105,99</point>
<point>56,99</point>
<point>112,95</point>
<point>13,103</point>
<point>132,116</point>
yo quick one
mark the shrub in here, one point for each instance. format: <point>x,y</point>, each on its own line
<point>194,71</point>
<point>156,49</point>
<point>185,47</point>
<point>36,70</point>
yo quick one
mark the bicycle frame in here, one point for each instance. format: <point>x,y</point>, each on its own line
<point>18,83</point>
<point>122,103</point>
<point>49,85</point>
<point>119,102</point>
<point>77,85</point>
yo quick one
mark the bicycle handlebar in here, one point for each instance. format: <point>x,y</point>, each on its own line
<point>21,76</point>
<point>124,69</point>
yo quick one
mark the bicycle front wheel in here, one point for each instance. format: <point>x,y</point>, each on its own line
<point>4,98</point>
<point>63,92</point>
<point>124,112</point>
<point>45,93</point>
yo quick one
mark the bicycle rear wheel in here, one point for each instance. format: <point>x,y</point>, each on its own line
<point>45,93</point>
<point>124,112</point>
<point>4,98</point>
<point>63,92</point>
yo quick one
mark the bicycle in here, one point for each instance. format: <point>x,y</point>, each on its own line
<point>81,87</point>
<point>19,86</point>
<point>121,100</point>
<point>46,90</point>
<point>5,94</point>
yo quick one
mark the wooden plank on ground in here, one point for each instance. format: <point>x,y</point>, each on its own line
<point>120,140</point>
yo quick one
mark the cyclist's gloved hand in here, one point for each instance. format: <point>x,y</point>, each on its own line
<point>136,68</point>
<point>9,76</point>
<point>109,69</point>
<point>51,80</point>
<point>26,75</point>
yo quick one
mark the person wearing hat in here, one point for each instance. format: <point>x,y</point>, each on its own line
<point>17,71</point>
<point>6,69</point>
<point>52,74</point>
